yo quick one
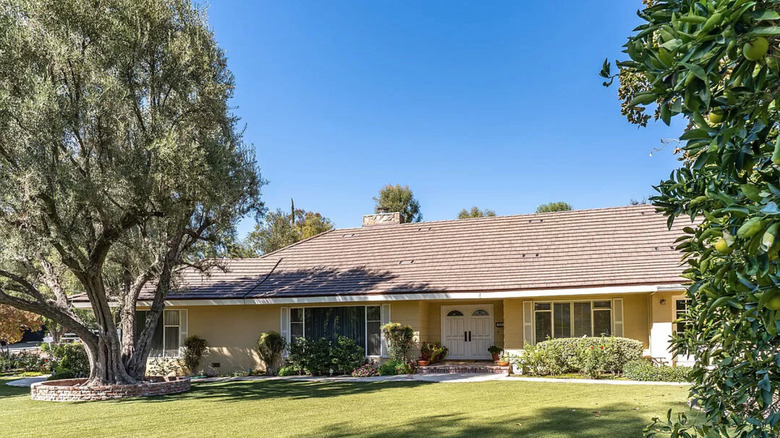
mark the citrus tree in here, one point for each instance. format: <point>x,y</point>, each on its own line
<point>715,63</point>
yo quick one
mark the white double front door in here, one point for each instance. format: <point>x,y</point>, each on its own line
<point>467,330</point>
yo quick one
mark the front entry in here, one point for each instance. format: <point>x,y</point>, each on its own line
<point>467,330</point>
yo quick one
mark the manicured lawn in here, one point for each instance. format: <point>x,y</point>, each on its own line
<point>287,408</point>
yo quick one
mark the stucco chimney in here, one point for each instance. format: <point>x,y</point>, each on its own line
<point>371,220</point>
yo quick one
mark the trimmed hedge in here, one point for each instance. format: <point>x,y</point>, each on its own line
<point>590,356</point>
<point>646,371</point>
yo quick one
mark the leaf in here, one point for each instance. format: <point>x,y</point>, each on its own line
<point>764,31</point>
<point>696,70</point>
<point>751,192</point>
<point>764,15</point>
<point>770,208</point>
<point>695,134</point>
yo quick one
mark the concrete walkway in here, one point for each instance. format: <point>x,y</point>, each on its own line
<point>28,381</point>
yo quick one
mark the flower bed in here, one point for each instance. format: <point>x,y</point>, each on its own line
<point>73,389</point>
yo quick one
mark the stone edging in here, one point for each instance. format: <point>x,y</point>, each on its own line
<point>71,390</point>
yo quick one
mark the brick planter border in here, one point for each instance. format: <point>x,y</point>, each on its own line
<point>72,389</point>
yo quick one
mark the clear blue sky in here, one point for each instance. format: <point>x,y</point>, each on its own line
<point>494,104</point>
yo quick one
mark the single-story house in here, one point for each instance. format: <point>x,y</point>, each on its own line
<point>471,283</point>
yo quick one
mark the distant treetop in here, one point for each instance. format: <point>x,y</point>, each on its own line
<point>554,206</point>
<point>395,198</point>
<point>475,212</point>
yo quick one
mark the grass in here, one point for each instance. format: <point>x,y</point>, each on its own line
<point>373,409</point>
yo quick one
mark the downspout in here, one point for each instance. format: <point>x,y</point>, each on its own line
<point>243,298</point>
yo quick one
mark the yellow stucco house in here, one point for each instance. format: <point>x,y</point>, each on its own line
<point>470,283</point>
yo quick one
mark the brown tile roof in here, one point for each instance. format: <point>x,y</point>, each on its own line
<point>617,246</point>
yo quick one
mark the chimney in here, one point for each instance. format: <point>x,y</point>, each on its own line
<point>371,220</point>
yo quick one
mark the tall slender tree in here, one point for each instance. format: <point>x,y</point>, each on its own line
<point>118,155</point>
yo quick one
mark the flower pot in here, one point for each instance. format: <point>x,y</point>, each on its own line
<point>502,363</point>
<point>496,357</point>
<point>423,363</point>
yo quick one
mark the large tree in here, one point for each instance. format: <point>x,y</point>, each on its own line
<point>279,229</point>
<point>715,63</point>
<point>118,155</point>
<point>398,199</point>
<point>475,212</point>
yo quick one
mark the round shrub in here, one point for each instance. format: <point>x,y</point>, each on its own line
<point>646,371</point>
<point>72,361</point>
<point>194,347</point>
<point>400,340</point>
<point>346,355</point>
<point>270,346</point>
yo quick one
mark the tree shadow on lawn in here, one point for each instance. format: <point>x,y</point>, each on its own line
<point>613,421</point>
<point>237,391</point>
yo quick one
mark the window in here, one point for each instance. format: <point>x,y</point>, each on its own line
<point>681,312</point>
<point>360,323</point>
<point>373,332</point>
<point>455,313</point>
<point>296,323</point>
<point>167,336</point>
<point>480,312</point>
<point>572,319</point>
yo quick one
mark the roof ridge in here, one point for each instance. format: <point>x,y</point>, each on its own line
<point>507,216</point>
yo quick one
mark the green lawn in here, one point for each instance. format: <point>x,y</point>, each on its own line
<point>287,408</point>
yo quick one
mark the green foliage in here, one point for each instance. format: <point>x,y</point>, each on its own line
<point>475,212</point>
<point>590,356</point>
<point>400,340</point>
<point>72,361</point>
<point>346,355</point>
<point>270,346</point>
<point>26,362</point>
<point>397,198</point>
<point>693,62</point>
<point>553,206</point>
<point>194,347</point>
<point>278,230</point>
<point>288,370</point>
<point>323,357</point>
<point>645,370</point>
<point>493,350</point>
<point>394,367</point>
<point>432,351</point>
<point>115,119</point>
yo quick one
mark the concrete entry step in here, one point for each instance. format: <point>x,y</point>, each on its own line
<point>461,367</point>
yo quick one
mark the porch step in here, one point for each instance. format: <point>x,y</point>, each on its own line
<point>463,368</point>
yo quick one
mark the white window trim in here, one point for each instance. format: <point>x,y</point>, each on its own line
<point>571,316</point>
<point>179,353</point>
<point>365,326</point>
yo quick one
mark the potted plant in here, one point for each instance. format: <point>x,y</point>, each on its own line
<point>495,352</point>
<point>503,361</point>
<point>433,351</point>
<point>424,360</point>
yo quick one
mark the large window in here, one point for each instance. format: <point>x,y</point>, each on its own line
<point>572,319</point>
<point>361,323</point>
<point>166,340</point>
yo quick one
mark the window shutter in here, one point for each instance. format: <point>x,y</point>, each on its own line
<point>385,319</point>
<point>528,323</point>
<point>617,317</point>
<point>183,329</point>
<point>285,319</point>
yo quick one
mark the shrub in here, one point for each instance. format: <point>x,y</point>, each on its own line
<point>644,370</point>
<point>400,340</point>
<point>194,347</point>
<point>72,361</point>
<point>289,370</point>
<point>270,346</point>
<point>311,357</point>
<point>346,355</point>
<point>394,367</point>
<point>433,352</point>
<point>590,356</point>
<point>366,370</point>
<point>163,366</point>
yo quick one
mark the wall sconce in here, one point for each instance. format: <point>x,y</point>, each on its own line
<point>663,301</point>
